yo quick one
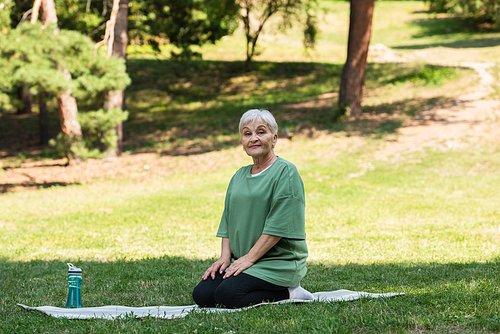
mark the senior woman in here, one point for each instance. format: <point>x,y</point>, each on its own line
<point>263,251</point>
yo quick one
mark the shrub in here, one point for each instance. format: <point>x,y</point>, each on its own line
<point>98,128</point>
<point>98,135</point>
<point>480,11</point>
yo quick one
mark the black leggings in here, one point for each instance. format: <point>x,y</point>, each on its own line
<point>237,291</point>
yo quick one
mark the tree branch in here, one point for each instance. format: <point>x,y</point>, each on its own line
<point>25,15</point>
<point>35,11</point>
<point>109,35</point>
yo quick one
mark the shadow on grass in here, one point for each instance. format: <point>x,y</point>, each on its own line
<point>185,108</point>
<point>437,295</point>
<point>447,25</point>
<point>386,118</point>
<point>410,107</point>
<point>191,102</point>
<point>8,187</point>
<point>39,165</point>
<point>20,133</point>
<point>463,43</point>
<point>200,99</point>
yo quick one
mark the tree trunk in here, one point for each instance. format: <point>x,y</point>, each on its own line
<point>115,99</point>
<point>252,35</point>
<point>43,118</point>
<point>26,98</point>
<point>68,111</point>
<point>48,12</point>
<point>353,75</point>
<point>35,10</point>
<point>48,15</point>
<point>117,47</point>
<point>68,118</point>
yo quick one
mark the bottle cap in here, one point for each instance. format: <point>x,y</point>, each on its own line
<point>73,270</point>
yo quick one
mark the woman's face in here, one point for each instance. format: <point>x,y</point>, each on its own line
<point>257,139</point>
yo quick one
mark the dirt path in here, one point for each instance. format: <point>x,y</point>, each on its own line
<point>467,119</point>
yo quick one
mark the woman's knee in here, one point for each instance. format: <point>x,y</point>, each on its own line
<point>203,297</point>
<point>226,295</point>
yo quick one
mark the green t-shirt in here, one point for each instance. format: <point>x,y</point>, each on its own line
<point>270,203</point>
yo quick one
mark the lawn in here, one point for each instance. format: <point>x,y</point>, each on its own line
<point>425,223</point>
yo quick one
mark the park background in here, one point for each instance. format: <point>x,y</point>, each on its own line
<point>402,199</point>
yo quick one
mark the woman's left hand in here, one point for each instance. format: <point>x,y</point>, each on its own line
<point>265,243</point>
<point>238,266</point>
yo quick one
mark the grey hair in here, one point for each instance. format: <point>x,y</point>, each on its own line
<point>259,114</point>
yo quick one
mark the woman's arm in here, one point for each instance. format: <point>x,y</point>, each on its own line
<point>261,247</point>
<point>222,263</point>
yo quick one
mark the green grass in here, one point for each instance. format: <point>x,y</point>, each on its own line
<point>426,225</point>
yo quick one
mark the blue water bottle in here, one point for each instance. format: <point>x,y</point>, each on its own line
<point>74,286</point>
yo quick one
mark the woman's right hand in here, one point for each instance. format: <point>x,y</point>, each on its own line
<point>218,266</point>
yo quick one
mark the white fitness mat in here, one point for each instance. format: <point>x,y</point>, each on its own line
<point>170,312</point>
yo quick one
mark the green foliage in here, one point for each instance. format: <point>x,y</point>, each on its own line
<point>98,128</point>
<point>183,23</point>
<point>440,6</point>
<point>254,14</point>
<point>311,24</point>
<point>184,54</point>
<point>35,55</point>
<point>5,81</point>
<point>73,15</point>
<point>342,112</point>
<point>40,56</point>
<point>310,30</point>
<point>5,6</point>
<point>482,12</point>
<point>65,146</point>
<point>98,135</point>
<point>430,76</point>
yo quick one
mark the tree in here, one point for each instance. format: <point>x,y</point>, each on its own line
<point>255,14</point>
<point>66,104</point>
<point>47,9</point>
<point>182,23</point>
<point>483,13</point>
<point>353,74</point>
<point>5,79</point>
<point>26,100</point>
<point>5,6</point>
<point>48,16</point>
<point>85,16</point>
<point>60,64</point>
<point>23,91</point>
<point>116,42</point>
